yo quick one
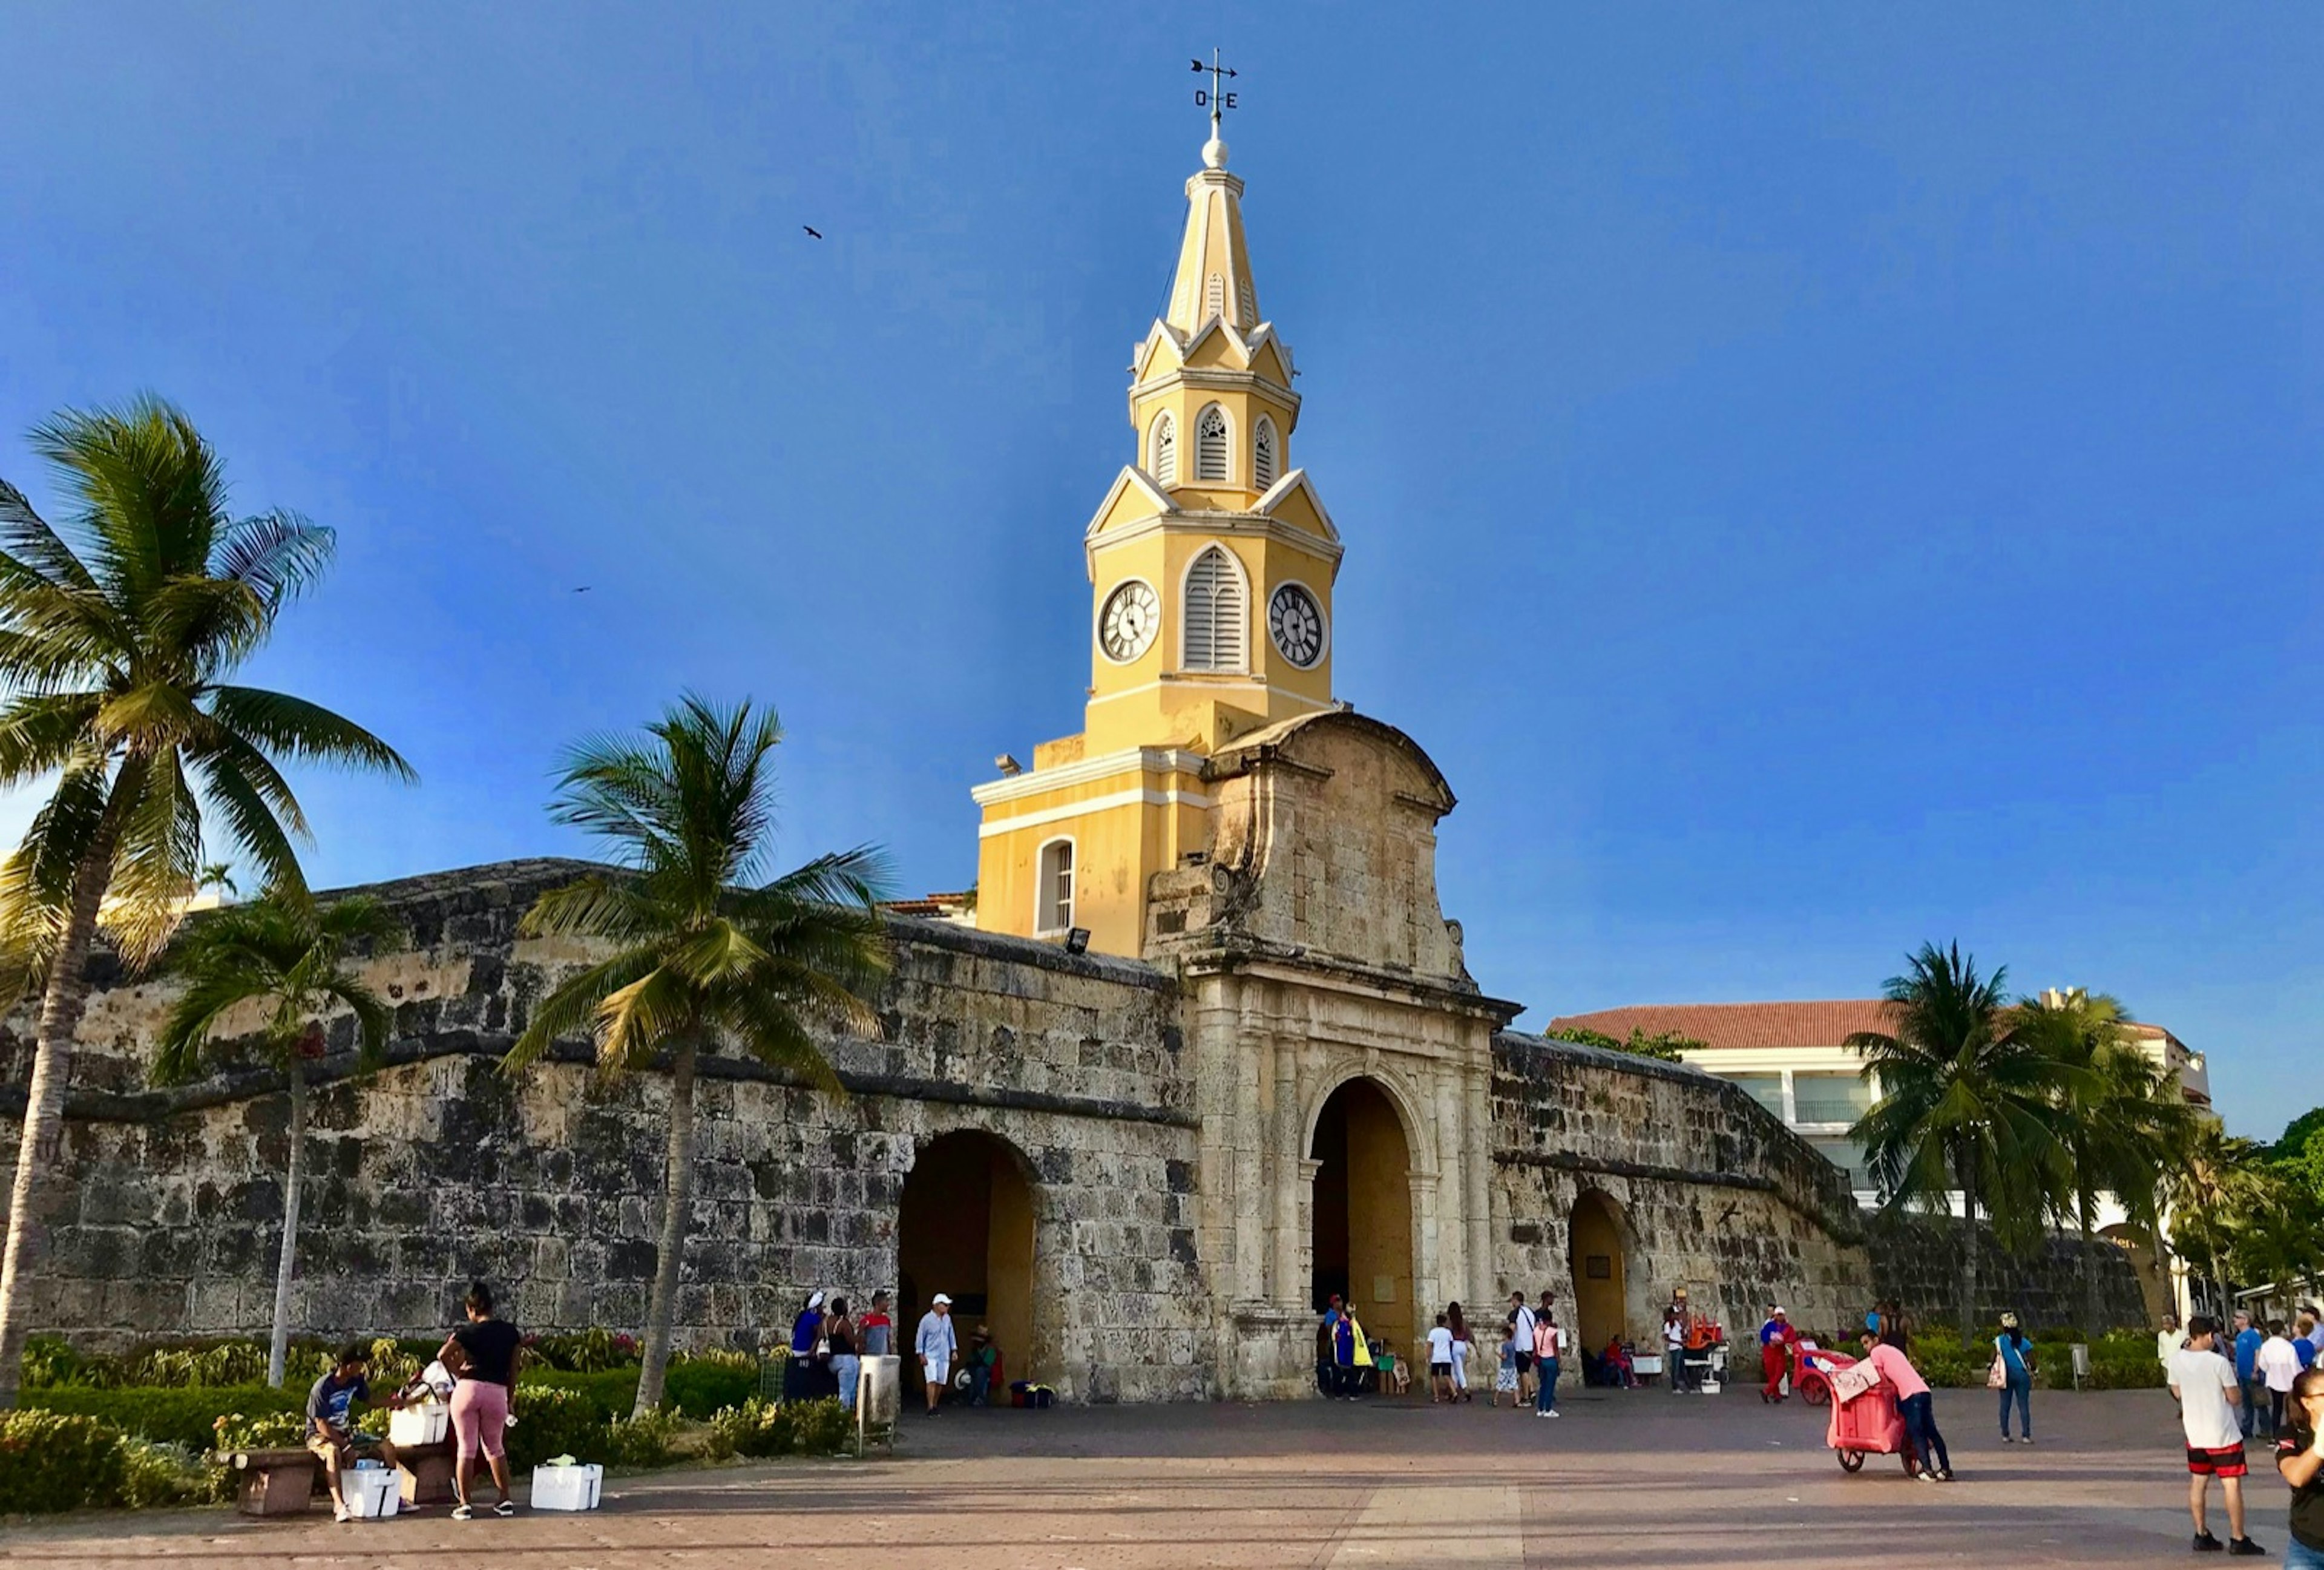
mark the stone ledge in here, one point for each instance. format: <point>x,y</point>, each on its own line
<point>1844,1229</point>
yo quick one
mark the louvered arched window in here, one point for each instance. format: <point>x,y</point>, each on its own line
<point>1214,297</point>
<point>1216,613</point>
<point>1211,444</point>
<point>1262,454</point>
<point>1162,456</point>
<point>1250,307</point>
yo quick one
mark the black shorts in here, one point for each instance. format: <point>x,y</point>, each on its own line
<point>1444,1369</point>
<point>1525,1363</point>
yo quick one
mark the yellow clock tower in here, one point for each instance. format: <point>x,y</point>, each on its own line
<point>1211,563</point>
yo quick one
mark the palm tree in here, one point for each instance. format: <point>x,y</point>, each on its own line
<point>1965,1105</point>
<point>700,957</point>
<point>116,645</point>
<point>285,956</point>
<point>2217,1179</point>
<point>219,875</point>
<point>2121,1118</point>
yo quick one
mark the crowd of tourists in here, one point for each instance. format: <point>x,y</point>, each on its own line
<point>829,1343</point>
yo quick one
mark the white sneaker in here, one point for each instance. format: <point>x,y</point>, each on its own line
<point>339,1512</point>
<point>1538,1413</point>
<point>1554,1412</point>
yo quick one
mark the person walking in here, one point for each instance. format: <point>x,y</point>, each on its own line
<point>935,1346</point>
<point>2300,1462</point>
<point>1923,1444</point>
<point>2167,1343</point>
<point>1440,1364</point>
<point>2245,1347</point>
<point>2010,1350</point>
<point>2277,1365</point>
<point>1776,1340</point>
<point>1548,1353</point>
<point>842,1337</point>
<point>2304,1337</point>
<point>1505,1375</point>
<point>1455,1322</point>
<point>1521,1331</point>
<point>2204,1385</point>
<point>484,1354</point>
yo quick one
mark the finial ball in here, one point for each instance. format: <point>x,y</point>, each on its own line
<point>1214,154</point>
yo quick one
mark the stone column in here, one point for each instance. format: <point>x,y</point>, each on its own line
<point>1477,1175</point>
<point>1291,1177</point>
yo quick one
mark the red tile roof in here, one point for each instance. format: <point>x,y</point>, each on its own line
<point>1813,1024</point>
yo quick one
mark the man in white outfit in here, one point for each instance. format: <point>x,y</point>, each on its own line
<point>936,1344</point>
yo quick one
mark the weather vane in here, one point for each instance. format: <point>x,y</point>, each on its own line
<point>1213,98</point>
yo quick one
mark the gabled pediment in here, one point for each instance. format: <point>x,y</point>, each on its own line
<point>1161,338</point>
<point>1292,500</point>
<point>1133,496</point>
<point>1271,356</point>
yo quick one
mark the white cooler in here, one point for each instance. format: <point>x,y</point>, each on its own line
<point>417,1425</point>
<point>369,1492</point>
<point>566,1488</point>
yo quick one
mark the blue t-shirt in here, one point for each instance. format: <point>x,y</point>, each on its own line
<point>2011,1345</point>
<point>2246,1351</point>
<point>327,1400</point>
<point>2306,1349</point>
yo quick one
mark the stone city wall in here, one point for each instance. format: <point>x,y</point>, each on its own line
<point>1917,1261</point>
<point>439,1168</point>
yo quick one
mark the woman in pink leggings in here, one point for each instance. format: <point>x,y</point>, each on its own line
<point>484,1352</point>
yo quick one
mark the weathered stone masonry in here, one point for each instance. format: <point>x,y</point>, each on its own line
<point>439,1168</point>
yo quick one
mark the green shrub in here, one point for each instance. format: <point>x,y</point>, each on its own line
<point>700,1386</point>
<point>610,1393</point>
<point>593,1350</point>
<point>554,1421</point>
<point>821,1428</point>
<point>49,1361</point>
<point>643,1441</point>
<point>754,1428</point>
<point>259,1431</point>
<point>156,1476</point>
<point>52,1462</point>
<point>167,1416</point>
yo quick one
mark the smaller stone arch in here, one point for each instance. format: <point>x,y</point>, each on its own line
<point>1598,1240</point>
<point>966,1225</point>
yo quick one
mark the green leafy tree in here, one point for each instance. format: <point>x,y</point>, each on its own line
<point>1965,1105</point>
<point>283,960</point>
<point>1668,1046</point>
<point>703,957</point>
<point>2121,1123</point>
<point>118,639</point>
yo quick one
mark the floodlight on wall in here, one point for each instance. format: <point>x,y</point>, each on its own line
<point>1078,940</point>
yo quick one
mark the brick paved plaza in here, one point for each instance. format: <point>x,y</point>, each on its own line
<point>1637,1479</point>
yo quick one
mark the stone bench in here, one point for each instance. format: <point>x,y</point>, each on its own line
<point>424,1473</point>
<point>273,1483</point>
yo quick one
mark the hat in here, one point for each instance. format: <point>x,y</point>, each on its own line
<point>815,1299</point>
<point>2009,1322</point>
<point>1778,1314</point>
<point>941,1299</point>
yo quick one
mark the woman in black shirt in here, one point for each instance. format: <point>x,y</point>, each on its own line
<point>484,1353</point>
<point>2300,1457</point>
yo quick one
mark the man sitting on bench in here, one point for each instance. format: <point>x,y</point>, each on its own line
<point>330,1420</point>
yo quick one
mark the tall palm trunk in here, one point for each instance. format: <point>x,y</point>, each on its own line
<point>677,1201</point>
<point>62,1000</point>
<point>1968,1245</point>
<point>2089,1204</point>
<point>294,1183</point>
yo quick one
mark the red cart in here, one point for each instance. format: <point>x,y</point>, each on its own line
<point>1867,1424</point>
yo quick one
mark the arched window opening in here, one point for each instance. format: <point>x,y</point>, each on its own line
<point>1214,298</point>
<point>1211,445</point>
<point>1162,460</point>
<point>1053,892</point>
<point>1214,612</point>
<point>1262,454</point>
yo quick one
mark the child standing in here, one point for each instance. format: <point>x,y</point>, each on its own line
<point>1504,1376</point>
<point>1440,1364</point>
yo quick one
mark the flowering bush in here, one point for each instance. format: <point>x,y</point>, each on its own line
<point>50,1462</point>
<point>266,1431</point>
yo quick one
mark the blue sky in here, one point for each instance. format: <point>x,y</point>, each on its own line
<point>1816,478</point>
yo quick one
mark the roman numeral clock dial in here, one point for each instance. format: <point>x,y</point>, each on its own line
<point>1296,624</point>
<point>1125,627</point>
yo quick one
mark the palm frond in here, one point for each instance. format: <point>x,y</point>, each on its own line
<point>570,1012</point>
<point>279,555</point>
<point>30,547</point>
<point>294,727</point>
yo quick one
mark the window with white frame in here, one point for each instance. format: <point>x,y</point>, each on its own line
<point>1262,454</point>
<point>1162,460</point>
<point>1214,298</point>
<point>1215,612</point>
<point>1211,444</point>
<point>1052,895</point>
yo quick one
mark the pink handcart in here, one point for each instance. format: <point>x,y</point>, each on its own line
<point>1865,1420</point>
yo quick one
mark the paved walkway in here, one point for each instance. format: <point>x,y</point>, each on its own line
<point>1642,1479</point>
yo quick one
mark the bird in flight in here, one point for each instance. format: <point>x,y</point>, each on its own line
<point>813,233</point>
<point>583,590</point>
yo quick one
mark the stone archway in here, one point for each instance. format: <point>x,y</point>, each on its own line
<point>1361,1227</point>
<point>1599,1261</point>
<point>964,1227</point>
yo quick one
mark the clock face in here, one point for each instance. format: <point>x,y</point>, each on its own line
<point>1296,621</point>
<point>1125,628</point>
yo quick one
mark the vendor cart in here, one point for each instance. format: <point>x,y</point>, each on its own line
<point>1865,1420</point>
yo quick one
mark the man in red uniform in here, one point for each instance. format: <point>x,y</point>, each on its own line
<point>1776,1340</point>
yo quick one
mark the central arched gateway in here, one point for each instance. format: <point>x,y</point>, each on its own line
<point>964,1228</point>
<point>1601,1281</point>
<point>1363,1212</point>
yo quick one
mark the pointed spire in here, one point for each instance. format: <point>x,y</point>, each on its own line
<point>1215,277</point>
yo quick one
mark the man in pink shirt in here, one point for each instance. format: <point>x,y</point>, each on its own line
<point>1917,1406</point>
